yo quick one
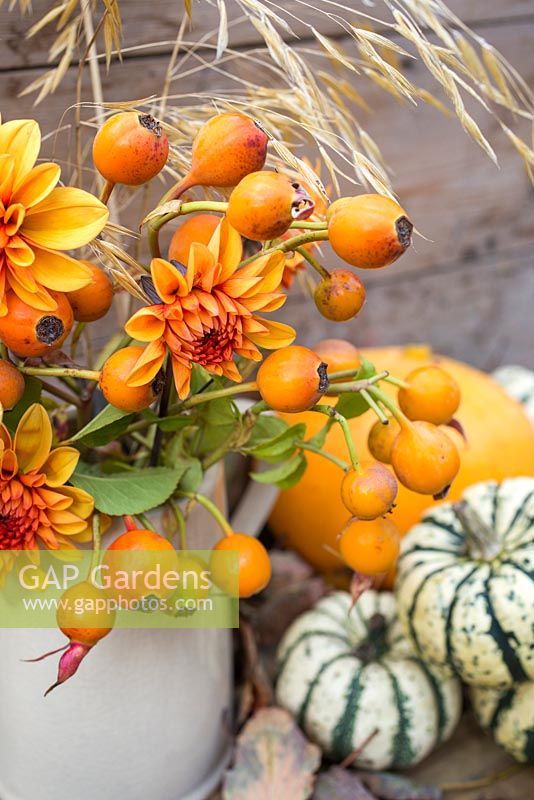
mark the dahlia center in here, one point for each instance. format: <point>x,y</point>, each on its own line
<point>217,344</point>
<point>19,520</point>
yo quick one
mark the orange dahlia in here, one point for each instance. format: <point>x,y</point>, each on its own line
<point>205,313</point>
<point>38,220</point>
<point>35,505</point>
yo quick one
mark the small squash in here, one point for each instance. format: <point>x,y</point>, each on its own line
<point>518,382</point>
<point>509,715</point>
<point>347,670</point>
<point>465,584</point>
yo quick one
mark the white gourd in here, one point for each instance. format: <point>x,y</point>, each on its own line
<point>346,671</point>
<point>465,584</point>
<point>519,383</point>
<point>508,714</point>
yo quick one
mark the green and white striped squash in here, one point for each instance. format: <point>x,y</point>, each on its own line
<point>465,584</point>
<point>345,672</point>
<point>508,714</point>
<point>519,383</point>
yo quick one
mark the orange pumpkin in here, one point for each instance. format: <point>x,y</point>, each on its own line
<point>500,443</point>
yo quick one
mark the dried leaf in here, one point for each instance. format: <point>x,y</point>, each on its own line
<point>273,760</point>
<point>388,786</point>
<point>340,784</point>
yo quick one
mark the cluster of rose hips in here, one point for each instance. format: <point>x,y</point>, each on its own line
<point>410,441</point>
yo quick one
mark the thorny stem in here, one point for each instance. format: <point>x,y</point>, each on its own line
<point>212,508</point>
<point>62,372</point>
<point>379,395</point>
<point>318,451</point>
<point>331,412</point>
<point>323,272</point>
<point>289,245</point>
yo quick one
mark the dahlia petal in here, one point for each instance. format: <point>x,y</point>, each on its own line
<point>82,503</point>
<point>59,502</point>
<point>66,219</point>
<point>36,298</point>
<point>265,302</point>
<point>182,378</point>
<point>5,437</point>
<point>58,271</point>
<point>66,523</point>
<point>231,372</point>
<point>201,262</point>
<point>37,185</point>
<point>21,138</point>
<point>82,538</point>
<point>277,335</point>
<point>146,325</point>
<point>236,287</point>
<point>8,464</point>
<point>272,273</point>
<point>33,439</point>
<point>148,364</point>
<point>230,250</point>
<point>19,252</point>
<point>168,280</point>
<point>7,170</point>
<point>60,465</point>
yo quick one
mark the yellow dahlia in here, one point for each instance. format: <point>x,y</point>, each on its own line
<point>206,312</point>
<point>35,505</point>
<point>38,220</point>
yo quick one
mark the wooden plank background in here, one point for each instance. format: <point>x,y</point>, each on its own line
<point>468,287</point>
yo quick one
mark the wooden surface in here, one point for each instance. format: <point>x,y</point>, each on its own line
<point>468,287</point>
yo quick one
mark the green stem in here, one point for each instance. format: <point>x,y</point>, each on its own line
<point>313,261</point>
<point>354,386</point>
<point>379,395</point>
<point>116,342</point>
<point>75,338</point>
<point>373,405</point>
<point>212,508</point>
<point>59,372</point>
<point>144,521</point>
<point>342,373</point>
<point>239,388</point>
<point>97,534</point>
<point>331,412</point>
<point>157,223</point>
<point>180,522</point>
<point>258,407</point>
<point>57,391</point>
<point>289,245</point>
<point>318,451</point>
<point>397,382</point>
<point>311,226</point>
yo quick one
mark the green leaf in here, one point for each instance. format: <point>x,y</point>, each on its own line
<point>320,437</point>
<point>352,404</point>
<point>130,492</point>
<point>217,421</point>
<point>266,427</point>
<point>108,425</point>
<point>192,475</point>
<point>284,475</point>
<point>175,422</point>
<point>281,446</point>
<point>32,394</point>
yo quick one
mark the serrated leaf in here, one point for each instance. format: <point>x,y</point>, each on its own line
<point>216,420</point>
<point>282,474</point>
<point>266,427</point>
<point>175,422</point>
<point>109,424</point>
<point>192,475</point>
<point>273,759</point>
<point>32,394</point>
<point>319,439</point>
<point>130,492</point>
<point>276,447</point>
<point>351,404</point>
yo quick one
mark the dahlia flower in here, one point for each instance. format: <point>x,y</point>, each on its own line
<point>38,220</point>
<point>36,508</point>
<point>206,312</point>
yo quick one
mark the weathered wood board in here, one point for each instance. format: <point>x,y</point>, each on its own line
<point>468,288</point>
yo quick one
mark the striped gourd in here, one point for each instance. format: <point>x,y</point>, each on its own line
<point>465,584</point>
<point>519,383</point>
<point>508,714</point>
<point>347,672</point>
